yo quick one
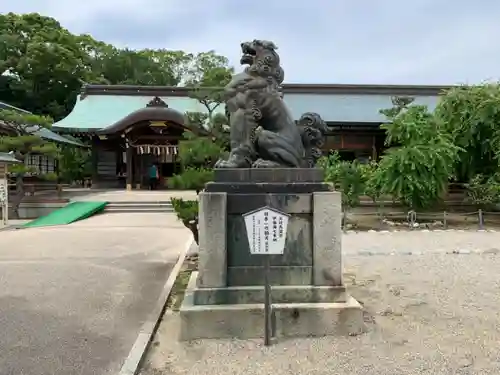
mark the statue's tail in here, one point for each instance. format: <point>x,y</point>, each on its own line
<point>313,133</point>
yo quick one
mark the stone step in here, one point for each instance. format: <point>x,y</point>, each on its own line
<point>138,206</point>
<point>279,294</point>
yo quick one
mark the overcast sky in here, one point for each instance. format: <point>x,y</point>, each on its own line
<point>320,41</point>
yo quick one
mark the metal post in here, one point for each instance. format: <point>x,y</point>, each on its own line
<point>267,302</point>
<point>481,219</point>
<point>412,218</point>
<point>445,222</point>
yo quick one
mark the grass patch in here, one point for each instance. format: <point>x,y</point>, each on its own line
<point>176,296</point>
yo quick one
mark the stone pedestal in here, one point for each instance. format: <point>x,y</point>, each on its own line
<point>225,297</point>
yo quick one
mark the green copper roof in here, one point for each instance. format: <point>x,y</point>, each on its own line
<point>5,157</point>
<point>96,112</point>
<point>349,107</point>
<point>102,106</point>
<point>43,132</point>
<point>54,137</point>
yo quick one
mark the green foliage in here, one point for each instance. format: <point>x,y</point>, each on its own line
<point>44,63</point>
<point>49,177</point>
<point>399,103</point>
<point>75,164</point>
<point>350,177</point>
<point>207,75</point>
<point>483,191</point>
<point>206,149</point>
<point>416,173</point>
<point>46,66</point>
<point>187,212</point>
<point>471,114</point>
<point>138,67</point>
<point>198,153</point>
<point>371,188</point>
<point>191,178</point>
<point>17,135</point>
<point>207,69</point>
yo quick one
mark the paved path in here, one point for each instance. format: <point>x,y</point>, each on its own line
<point>72,298</point>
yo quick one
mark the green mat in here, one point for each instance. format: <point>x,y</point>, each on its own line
<point>68,214</point>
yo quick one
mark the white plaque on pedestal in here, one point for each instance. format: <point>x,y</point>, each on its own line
<point>266,231</point>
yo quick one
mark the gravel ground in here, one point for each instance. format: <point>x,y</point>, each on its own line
<point>431,312</point>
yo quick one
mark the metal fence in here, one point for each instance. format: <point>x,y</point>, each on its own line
<point>412,220</point>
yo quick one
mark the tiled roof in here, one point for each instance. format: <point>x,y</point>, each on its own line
<point>7,158</point>
<point>100,106</point>
<point>43,132</point>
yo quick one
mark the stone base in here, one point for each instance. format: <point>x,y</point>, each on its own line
<point>268,181</point>
<point>238,312</point>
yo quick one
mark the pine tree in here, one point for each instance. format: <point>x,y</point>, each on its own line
<point>198,154</point>
<point>18,135</point>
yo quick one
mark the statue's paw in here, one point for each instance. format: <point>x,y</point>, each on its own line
<point>233,162</point>
<point>225,164</point>
<point>261,163</point>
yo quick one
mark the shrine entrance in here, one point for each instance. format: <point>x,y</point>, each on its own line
<point>127,150</point>
<point>147,144</point>
<point>164,157</point>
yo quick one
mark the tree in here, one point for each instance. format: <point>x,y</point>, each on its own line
<point>16,135</point>
<point>75,163</point>
<point>137,67</point>
<point>43,64</point>
<point>415,171</point>
<point>349,177</point>
<point>470,115</point>
<point>483,191</point>
<point>198,154</point>
<point>206,75</point>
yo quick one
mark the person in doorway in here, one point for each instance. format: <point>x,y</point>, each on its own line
<point>153,177</point>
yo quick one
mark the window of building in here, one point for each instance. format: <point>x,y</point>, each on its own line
<point>40,164</point>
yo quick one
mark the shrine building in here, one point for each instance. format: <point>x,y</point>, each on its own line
<point>132,127</point>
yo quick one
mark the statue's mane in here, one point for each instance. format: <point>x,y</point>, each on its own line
<point>266,63</point>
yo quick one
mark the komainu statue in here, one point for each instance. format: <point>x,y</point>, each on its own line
<point>263,131</point>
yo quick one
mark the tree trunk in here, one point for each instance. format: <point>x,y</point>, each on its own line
<point>193,227</point>
<point>18,197</point>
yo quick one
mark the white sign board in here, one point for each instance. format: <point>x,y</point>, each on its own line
<point>4,205</point>
<point>266,231</point>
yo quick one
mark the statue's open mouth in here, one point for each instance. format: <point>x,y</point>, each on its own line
<point>248,53</point>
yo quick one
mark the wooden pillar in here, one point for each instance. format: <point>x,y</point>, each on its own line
<point>137,170</point>
<point>174,162</point>
<point>130,162</point>
<point>95,161</point>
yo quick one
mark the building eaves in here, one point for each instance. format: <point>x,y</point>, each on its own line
<point>290,88</point>
<point>43,132</point>
<point>6,157</point>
